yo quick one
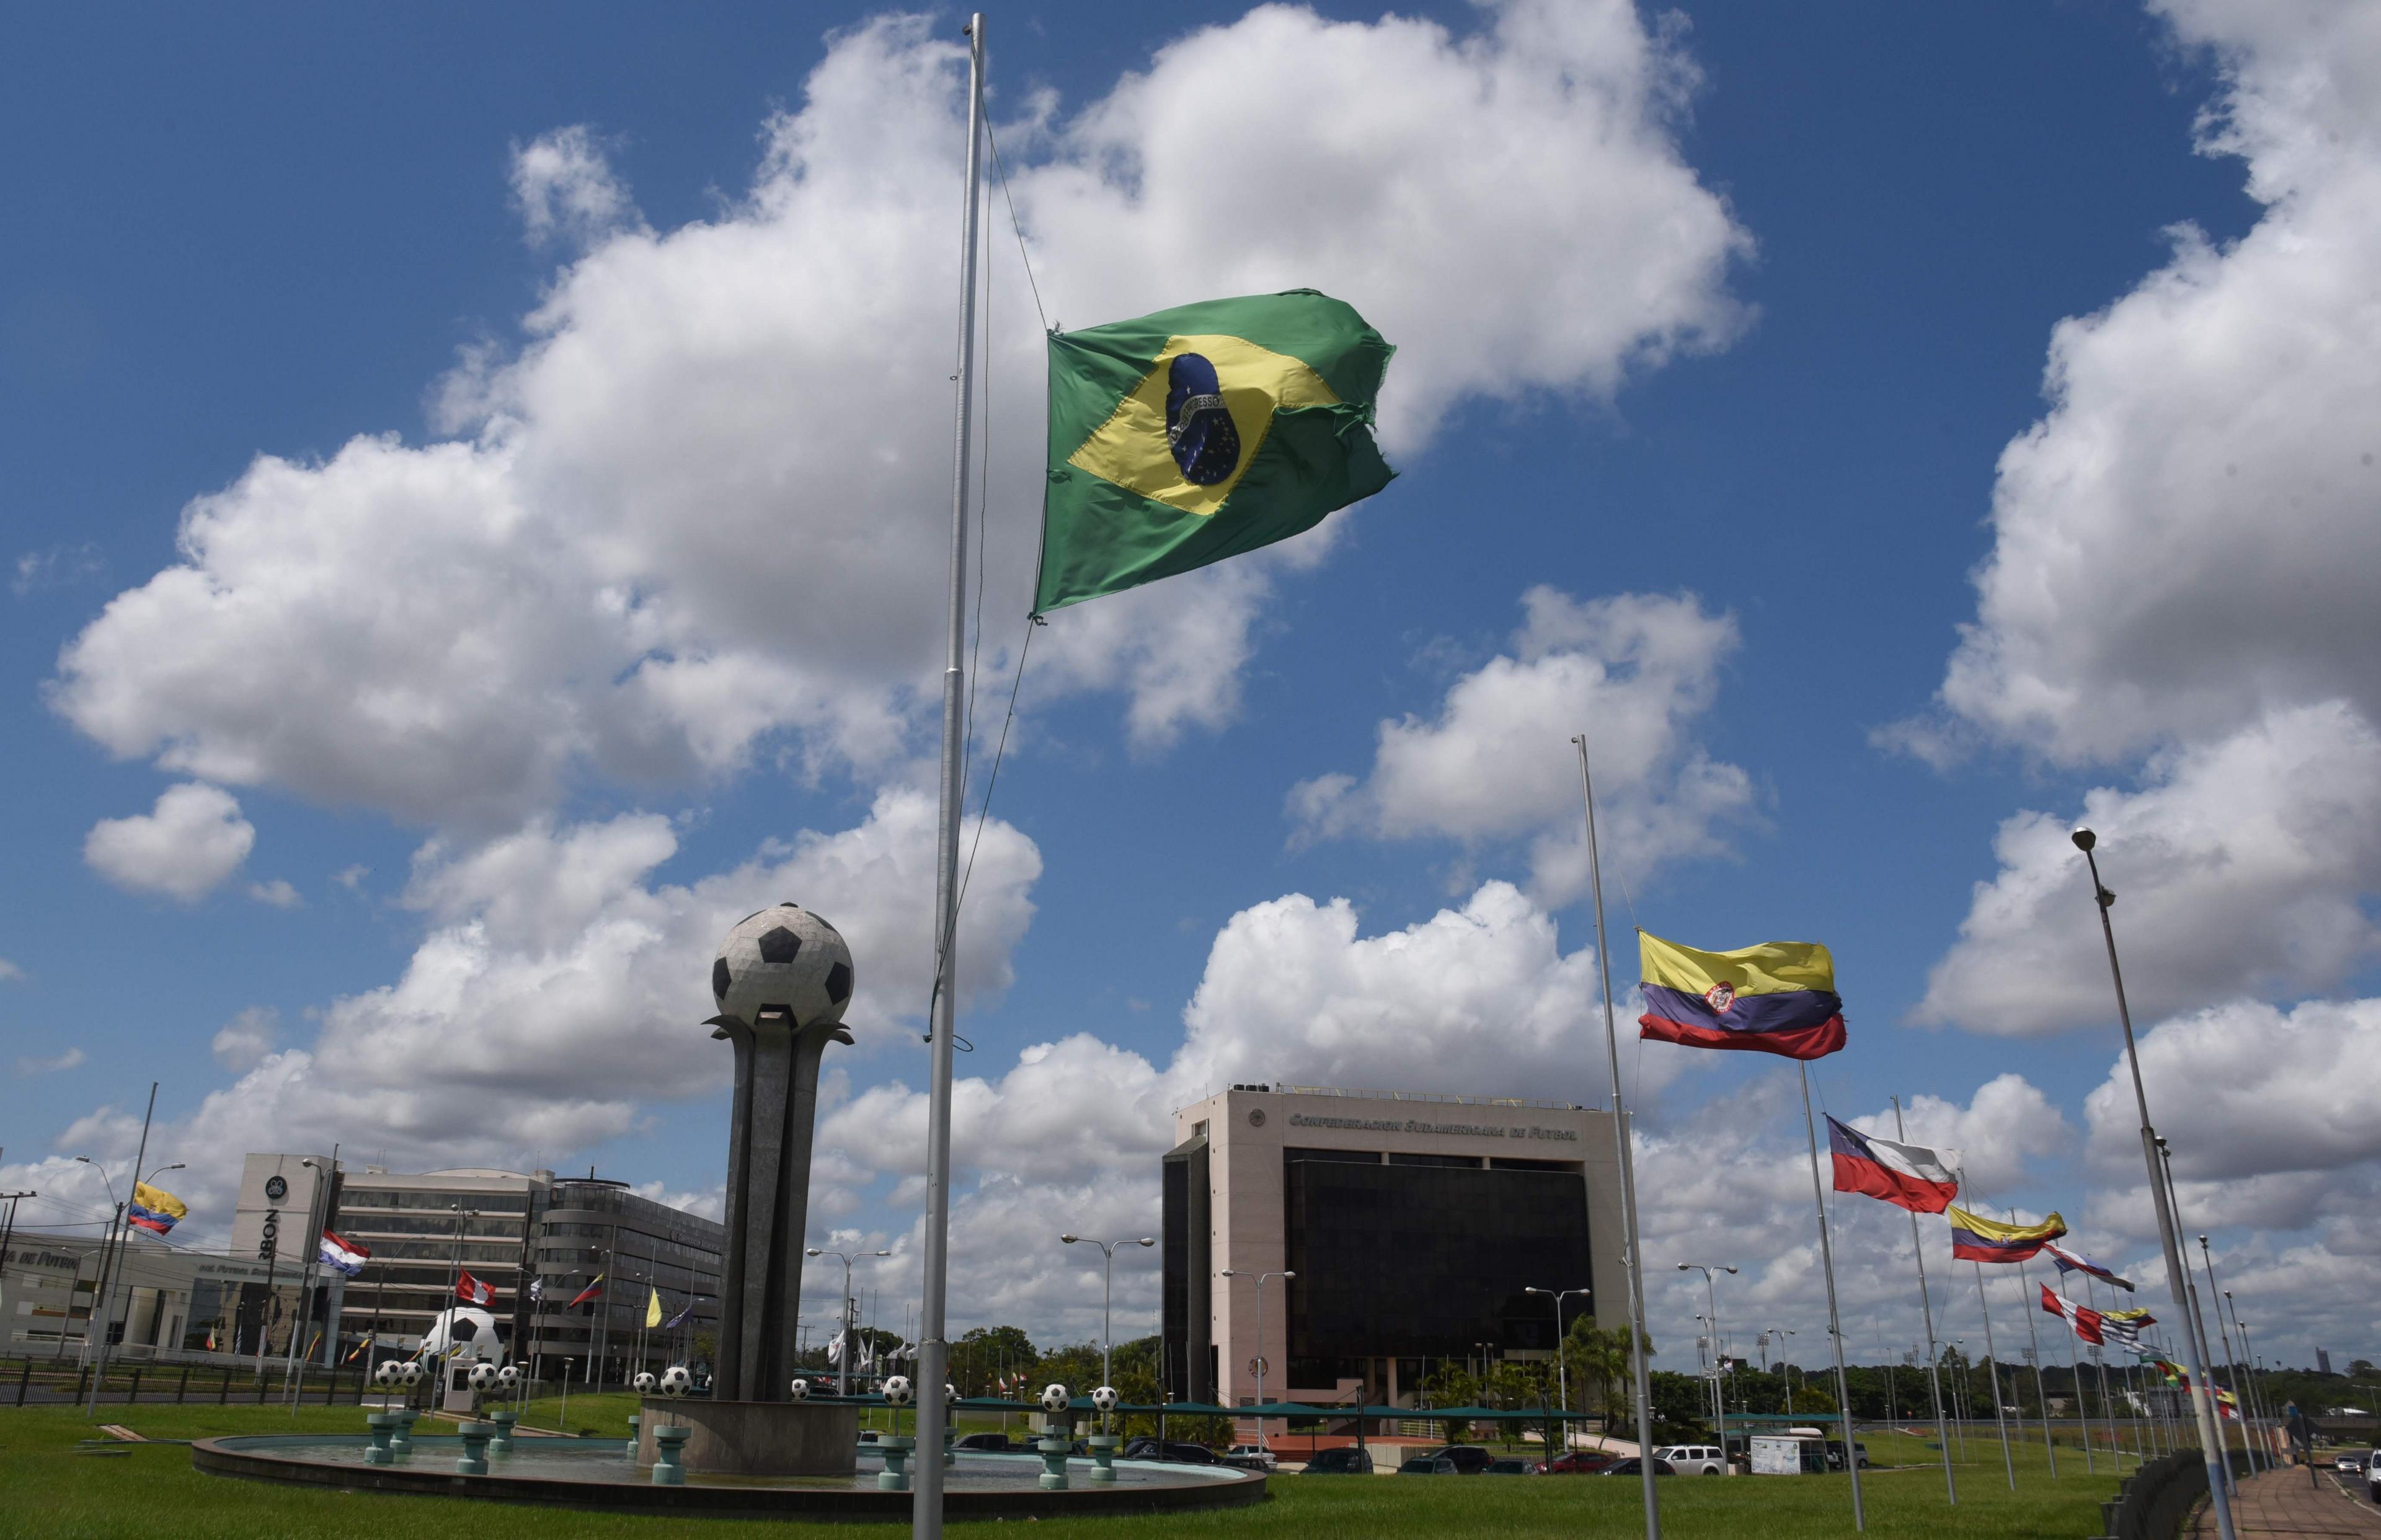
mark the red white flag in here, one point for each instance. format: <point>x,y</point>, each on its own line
<point>471,1291</point>
<point>2085,1320</point>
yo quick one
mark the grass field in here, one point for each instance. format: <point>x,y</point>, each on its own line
<point>49,1491</point>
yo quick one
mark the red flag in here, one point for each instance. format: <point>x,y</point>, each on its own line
<point>589,1292</point>
<point>2085,1320</point>
<point>471,1291</point>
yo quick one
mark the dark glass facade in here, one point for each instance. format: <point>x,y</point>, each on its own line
<point>1189,1371</point>
<point>1413,1261</point>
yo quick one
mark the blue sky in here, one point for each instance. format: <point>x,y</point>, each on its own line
<point>1765,348</point>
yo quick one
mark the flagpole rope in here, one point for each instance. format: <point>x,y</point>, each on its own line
<point>1010,199</point>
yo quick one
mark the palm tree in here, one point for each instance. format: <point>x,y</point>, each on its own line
<point>1599,1356</point>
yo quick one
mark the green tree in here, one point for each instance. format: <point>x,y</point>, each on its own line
<point>1597,1360</point>
<point>1452,1384</point>
<point>987,1354</point>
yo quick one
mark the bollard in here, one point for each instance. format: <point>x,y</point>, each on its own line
<point>669,1455</point>
<point>473,1461</point>
<point>634,1423</point>
<point>1104,1448</point>
<point>503,1442</point>
<point>383,1424</point>
<point>895,1477</point>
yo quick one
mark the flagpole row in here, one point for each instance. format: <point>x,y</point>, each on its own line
<point>1835,1324</point>
<point>1622,1150</point>
<point>2033,1346</point>
<point>1992,1357</point>
<point>1934,1356</point>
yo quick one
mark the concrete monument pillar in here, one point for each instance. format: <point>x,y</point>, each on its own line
<point>781,979</point>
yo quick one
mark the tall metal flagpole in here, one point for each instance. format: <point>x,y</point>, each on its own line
<point>2033,1347</point>
<point>2075,1374</point>
<point>1992,1356</point>
<point>2178,1276</point>
<point>1934,1354</point>
<point>1834,1326</point>
<point>1653,1502</point>
<point>934,1353</point>
<point>104,1295</point>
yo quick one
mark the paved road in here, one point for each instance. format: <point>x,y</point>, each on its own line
<point>2284,1503</point>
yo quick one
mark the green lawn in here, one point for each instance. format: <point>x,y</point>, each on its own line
<point>48,1491</point>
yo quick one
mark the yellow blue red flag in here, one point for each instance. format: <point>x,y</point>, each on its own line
<point>1976,1239</point>
<point>153,1208</point>
<point>1778,998</point>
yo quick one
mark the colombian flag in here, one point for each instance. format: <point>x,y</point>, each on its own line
<point>153,1208</point>
<point>1778,998</point>
<point>1975,1240</point>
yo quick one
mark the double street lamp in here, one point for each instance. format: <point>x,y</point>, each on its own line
<point>1234,1273</point>
<point>1108,1294</point>
<point>1562,1370</point>
<point>843,1328</point>
<point>1711,1296</point>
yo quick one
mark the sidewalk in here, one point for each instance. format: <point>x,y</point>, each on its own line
<point>2283,1503</point>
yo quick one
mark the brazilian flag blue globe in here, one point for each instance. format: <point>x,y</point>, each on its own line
<point>1183,437</point>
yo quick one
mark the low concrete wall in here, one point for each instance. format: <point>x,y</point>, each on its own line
<point>756,1438</point>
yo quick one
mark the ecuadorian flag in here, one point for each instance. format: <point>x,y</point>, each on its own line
<point>1975,1239</point>
<point>1778,998</point>
<point>1181,439</point>
<point>153,1208</point>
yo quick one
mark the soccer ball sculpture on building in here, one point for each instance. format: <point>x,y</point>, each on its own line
<point>643,1382</point>
<point>676,1380</point>
<point>1105,1399</point>
<point>784,956</point>
<point>482,1377</point>
<point>1054,1398</point>
<point>897,1390</point>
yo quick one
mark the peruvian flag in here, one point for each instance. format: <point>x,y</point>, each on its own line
<point>471,1291</point>
<point>2085,1320</point>
<point>1909,1175</point>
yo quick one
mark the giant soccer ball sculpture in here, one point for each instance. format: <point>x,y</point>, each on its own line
<point>676,1380</point>
<point>509,1375</point>
<point>801,1391</point>
<point>408,1373</point>
<point>385,1374</point>
<point>645,1382</point>
<point>1055,1399</point>
<point>897,1390</point>
<point>483,1377</point>
<point>781,980</point>
<point>1105,1399</point>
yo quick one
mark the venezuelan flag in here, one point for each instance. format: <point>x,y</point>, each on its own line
<point>1978,1239</point>
<point>153,1208</point>
<point>1778,998</point>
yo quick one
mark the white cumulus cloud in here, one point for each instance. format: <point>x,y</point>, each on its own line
<point>183,848</point>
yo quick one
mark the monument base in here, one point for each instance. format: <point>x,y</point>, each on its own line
<point>756,1438</point>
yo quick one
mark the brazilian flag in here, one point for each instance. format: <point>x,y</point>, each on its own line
<point>1196,433</point>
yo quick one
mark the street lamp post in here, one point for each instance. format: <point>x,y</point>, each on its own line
<point>1562,1371</point>
<point>1260,1277</point>
<point>2211,1449</point>
<point>1786,1370</point>
<point>292,1370</point>
<point>1711,1298</point>
<point>843,1360</point>
<point>1108,1294</point>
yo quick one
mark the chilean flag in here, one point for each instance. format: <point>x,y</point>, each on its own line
<point>2085,1320</point>
<point>1909,1175</point>
<point>471,1291</point>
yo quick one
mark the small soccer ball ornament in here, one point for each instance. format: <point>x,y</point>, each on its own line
<point>388,1373</point>
<point>1105,1399</point>
<point>409,1372</point>
<point>482,1377</point>
<point>950,1395</point>
<point>801,1391</point>
<point>643,1382</point>
<point>783,959</point>
<point>677,1380</point>
<point>508,1376</point>
<point>1054,1398</point>
<point>898,1391</point>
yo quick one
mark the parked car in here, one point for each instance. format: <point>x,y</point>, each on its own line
<point>1180,1453</point>
<point>1507,1467</point>
<point>989,1443</point>
<point>2372,1477</point>
<point>1577,1463</point>
<point>1427,1465</point>
<point>1346,1462</point>
<point>1836,1454</point>
<point>1469,1458</point>
<point>1628,1468</point>
<point>1249,1457</point>
<point>1694,1459</point>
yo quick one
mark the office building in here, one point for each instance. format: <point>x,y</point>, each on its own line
<point>1415,1223</point>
